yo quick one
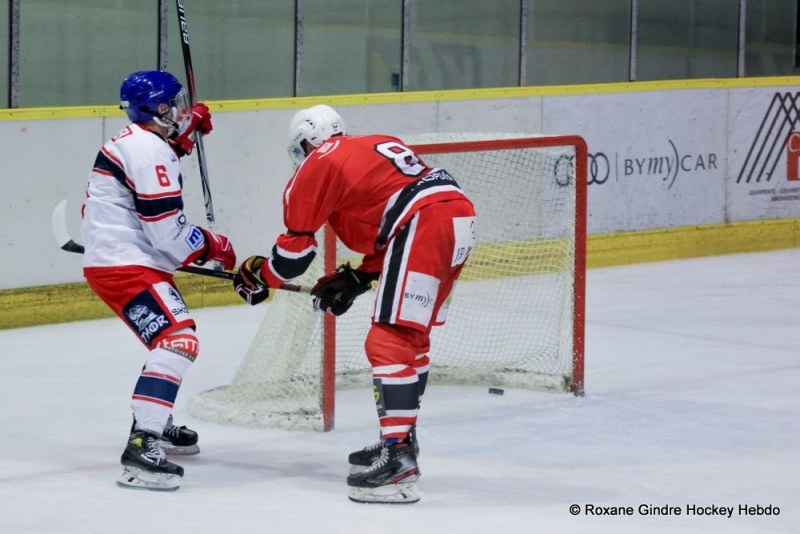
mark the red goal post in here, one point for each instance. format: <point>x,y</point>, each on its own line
<point>517,318</point>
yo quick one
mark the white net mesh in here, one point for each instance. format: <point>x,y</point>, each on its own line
<point>511,323</point>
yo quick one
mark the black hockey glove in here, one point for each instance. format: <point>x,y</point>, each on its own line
<point>335,293</point>
<point>248,282</point>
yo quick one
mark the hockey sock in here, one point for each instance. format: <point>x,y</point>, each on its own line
<point>421,365</point>
<point>158,385</point>
<point>398,358</point>
<point>397,399</point>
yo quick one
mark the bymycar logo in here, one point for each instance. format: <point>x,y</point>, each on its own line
<point>771,139</point>
<point>423,300</point>
<point>666,166</point>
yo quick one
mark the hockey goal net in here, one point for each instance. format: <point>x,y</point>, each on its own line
<point>517,316</point>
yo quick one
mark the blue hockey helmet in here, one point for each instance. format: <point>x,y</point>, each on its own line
<point>143,92</point>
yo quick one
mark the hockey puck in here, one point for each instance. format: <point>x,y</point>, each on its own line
<point>496,391</point>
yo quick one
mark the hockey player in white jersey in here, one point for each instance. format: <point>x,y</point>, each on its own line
<point>136,235</point>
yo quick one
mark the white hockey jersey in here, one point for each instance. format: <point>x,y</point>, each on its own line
<point>133,213</point>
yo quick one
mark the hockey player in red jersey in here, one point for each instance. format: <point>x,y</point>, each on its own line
<point>136,235</point>
<point>416,228</point>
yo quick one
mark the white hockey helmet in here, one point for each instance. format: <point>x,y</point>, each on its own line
<point>316,125</point>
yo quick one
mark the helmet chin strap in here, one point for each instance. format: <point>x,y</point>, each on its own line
<point>162,120</point>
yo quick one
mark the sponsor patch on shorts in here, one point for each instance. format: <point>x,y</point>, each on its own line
<point>145,316</point>
<point>441,317</point>
<point>173,301</point>
<point>419,298</point>
<point>464,233</point>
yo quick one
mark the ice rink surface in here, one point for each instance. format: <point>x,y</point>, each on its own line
<point>692,400</point>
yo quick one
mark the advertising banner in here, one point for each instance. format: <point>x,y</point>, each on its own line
<point>656,160</point>
<point>762,157</point>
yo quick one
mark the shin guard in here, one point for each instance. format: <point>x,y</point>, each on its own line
<point>392,351</point>
<point>160,380</point>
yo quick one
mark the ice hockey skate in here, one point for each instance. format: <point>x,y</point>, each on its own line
<point>391,479</point>
<point>362,459</point>
<point>145,466</point>
<point>179,440</point>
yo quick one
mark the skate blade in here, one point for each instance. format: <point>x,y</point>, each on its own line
<point>180,451</point>
<point>135,478</point>
<point>403,493</point>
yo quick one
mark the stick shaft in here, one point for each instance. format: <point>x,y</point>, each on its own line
<point>229,276</point>
<point>198,138</point>
<point>77,248</point>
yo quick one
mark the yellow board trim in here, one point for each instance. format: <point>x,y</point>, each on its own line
<point>607,250</point>
<point>76,302</point>
<point>76,112</point>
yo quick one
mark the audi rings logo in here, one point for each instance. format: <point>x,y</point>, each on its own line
<point>564,170</point>
<point>599,168</point>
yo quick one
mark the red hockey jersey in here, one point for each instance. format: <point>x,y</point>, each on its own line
<point>366,187</point>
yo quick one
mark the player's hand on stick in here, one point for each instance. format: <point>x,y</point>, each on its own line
<point>217,248</point>
<point>201,120</point>
<point>201,123</point>
<point>248,282</point>
<point>336,292</point>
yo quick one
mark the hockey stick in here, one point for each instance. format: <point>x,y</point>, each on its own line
<point>198,138</point>
<point>66,243</point>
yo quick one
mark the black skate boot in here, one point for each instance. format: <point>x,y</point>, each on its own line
<point>390,480</point>
<point>146,467</point>
<point>179,440</point>
<point>360,460</point>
